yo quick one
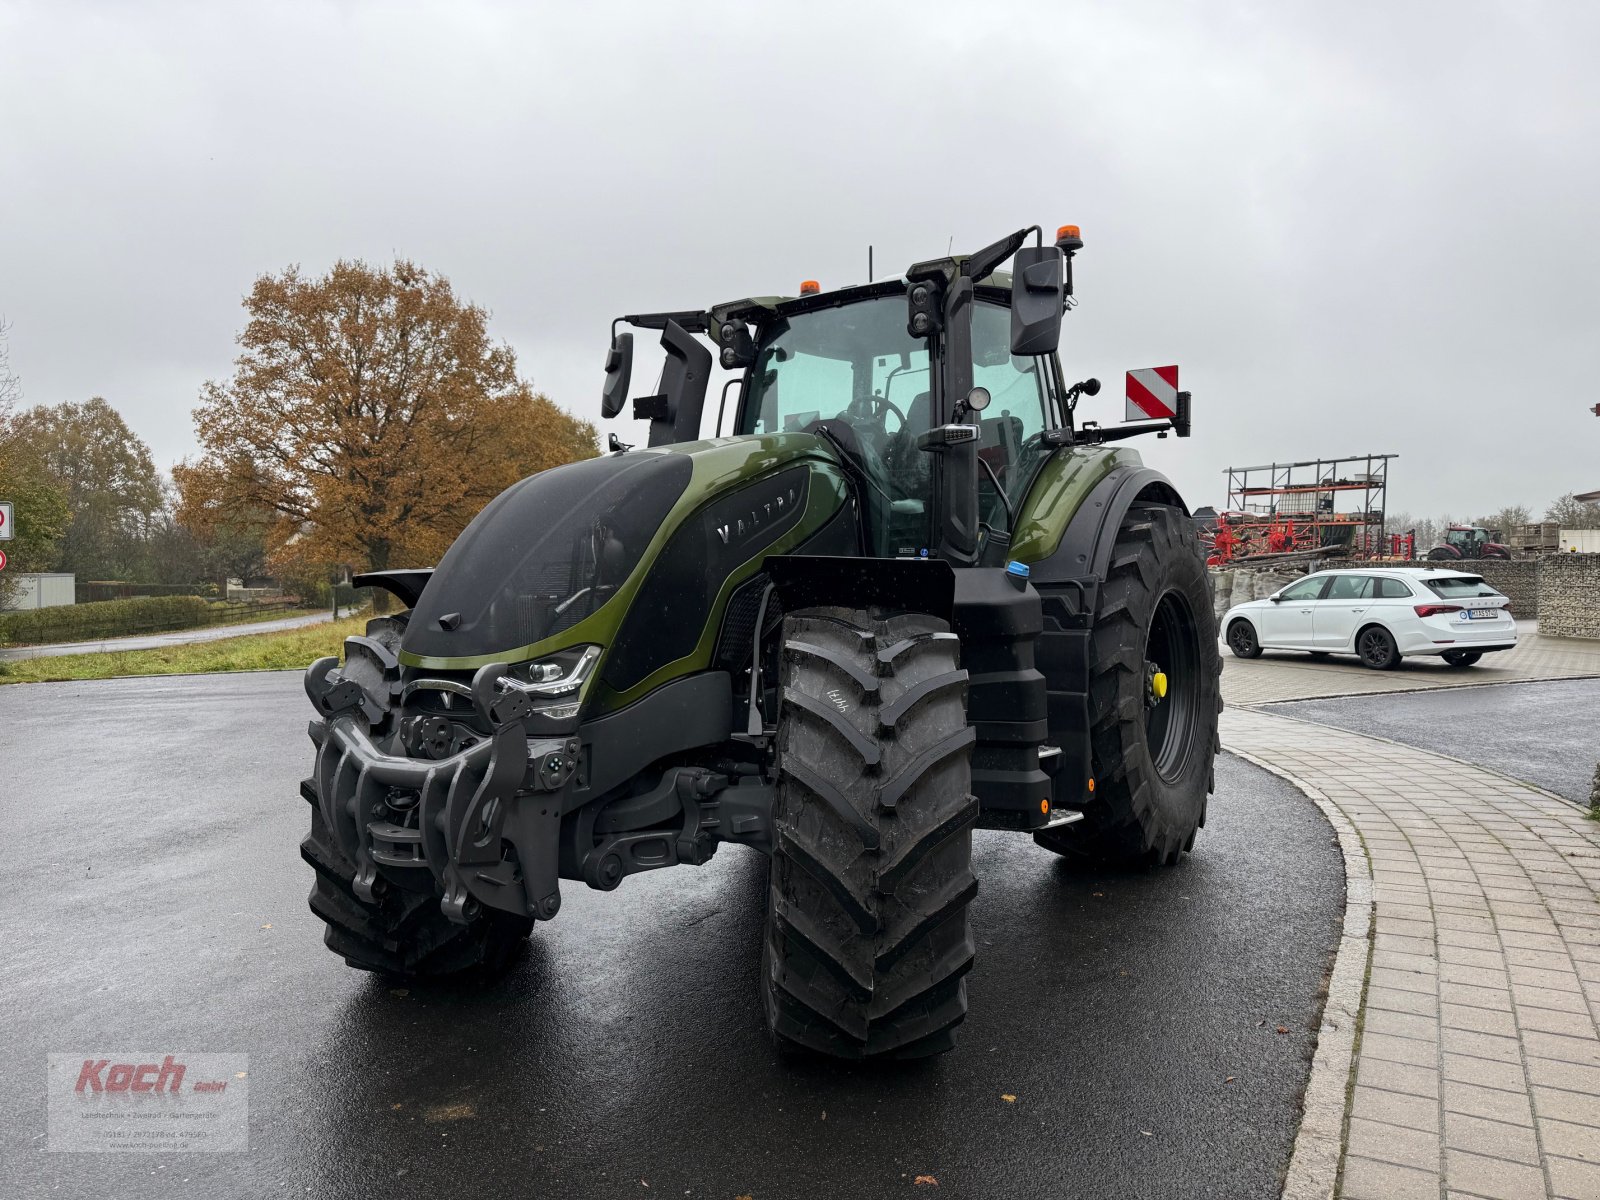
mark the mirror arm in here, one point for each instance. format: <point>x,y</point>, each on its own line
<point>982,264</point>
<point>1092,434</point>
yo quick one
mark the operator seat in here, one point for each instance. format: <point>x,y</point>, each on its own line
<point>909,467</point>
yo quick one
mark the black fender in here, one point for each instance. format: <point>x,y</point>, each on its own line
<point>1085,549</point>
<point>407,585</point>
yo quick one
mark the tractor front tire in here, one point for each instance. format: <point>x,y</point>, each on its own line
<point>868,938</point>
<point>404,934</point>
<point>1153,755</point>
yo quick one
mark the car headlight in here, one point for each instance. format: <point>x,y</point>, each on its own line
<point>555,684</point>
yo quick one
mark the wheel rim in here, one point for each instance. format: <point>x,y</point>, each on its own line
<point>1239,638</point>
<point>1374,647</point>
<point>1172,647</point>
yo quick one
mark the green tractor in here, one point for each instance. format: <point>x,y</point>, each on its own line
<point>907,597</point>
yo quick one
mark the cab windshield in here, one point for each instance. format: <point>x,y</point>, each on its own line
<point>855,366</point>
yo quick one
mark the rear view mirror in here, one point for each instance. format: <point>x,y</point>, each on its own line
<point>1038,291</point>
<point>619,373</point>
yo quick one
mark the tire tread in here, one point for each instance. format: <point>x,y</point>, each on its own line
<point>868,935</point>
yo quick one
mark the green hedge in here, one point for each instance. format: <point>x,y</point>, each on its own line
<point>95,590</point>
<point>103,619</point>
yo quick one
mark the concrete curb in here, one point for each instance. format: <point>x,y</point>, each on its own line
<point>1319,1144</point>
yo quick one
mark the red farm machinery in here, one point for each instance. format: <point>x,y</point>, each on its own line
<point>1325,507</point>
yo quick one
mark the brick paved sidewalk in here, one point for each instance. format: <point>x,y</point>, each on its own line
<point>1477,1071</point>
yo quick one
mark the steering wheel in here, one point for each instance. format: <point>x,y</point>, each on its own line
<point>883,402</point>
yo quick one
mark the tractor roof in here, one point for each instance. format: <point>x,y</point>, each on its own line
<point>757,310</point>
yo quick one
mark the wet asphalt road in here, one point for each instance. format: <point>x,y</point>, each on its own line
<point>1545,733</point>
<point>155,901</point>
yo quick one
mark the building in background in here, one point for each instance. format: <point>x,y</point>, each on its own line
<point>42,589</point>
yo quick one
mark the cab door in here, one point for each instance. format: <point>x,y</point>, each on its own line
<point>1341,610</point>
<point>1285,622</point>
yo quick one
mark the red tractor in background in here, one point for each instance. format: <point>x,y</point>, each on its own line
<point>1469,541</point>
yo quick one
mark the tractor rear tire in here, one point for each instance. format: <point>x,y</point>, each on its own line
<point>404,934</point>
<point>1443,553</point>
<point>868,938</point>
<point>1153,757</point>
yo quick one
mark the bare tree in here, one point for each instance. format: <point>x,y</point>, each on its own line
<point>1571,513</point>
<point>1507,519</point>
<point>10,385</point>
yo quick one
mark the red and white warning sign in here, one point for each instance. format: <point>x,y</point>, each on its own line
<point>2,560</point>
<point>1152,394</point>
<point>6,519</point>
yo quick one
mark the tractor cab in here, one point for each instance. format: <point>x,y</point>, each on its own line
<point>1466,538</point>
<point>1469,541</point>
<point>940,393</point>
<point>845,367</point>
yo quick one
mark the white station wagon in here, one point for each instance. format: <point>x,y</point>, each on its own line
<point>1380,615</point>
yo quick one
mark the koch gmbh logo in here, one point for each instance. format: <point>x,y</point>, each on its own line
<point>154,1102</point>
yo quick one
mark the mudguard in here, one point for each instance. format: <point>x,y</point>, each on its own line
<point>405,585</point>
<point>1084,551</point>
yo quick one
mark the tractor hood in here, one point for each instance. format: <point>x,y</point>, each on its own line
<point>556,560</point>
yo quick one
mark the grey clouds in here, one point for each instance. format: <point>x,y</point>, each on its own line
<point>1356,227</point>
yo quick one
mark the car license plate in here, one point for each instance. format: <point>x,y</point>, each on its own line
<point>1481,614</point>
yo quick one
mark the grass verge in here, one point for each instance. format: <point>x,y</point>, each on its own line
<point>284,650</point>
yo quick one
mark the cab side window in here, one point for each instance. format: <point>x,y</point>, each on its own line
<point>1010,427</point>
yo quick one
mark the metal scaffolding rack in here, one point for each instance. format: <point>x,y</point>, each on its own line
<point>1313,505</point>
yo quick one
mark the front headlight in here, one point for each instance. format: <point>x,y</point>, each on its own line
<point>555,684</point>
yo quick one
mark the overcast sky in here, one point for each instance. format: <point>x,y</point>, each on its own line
<point>1356,227</point>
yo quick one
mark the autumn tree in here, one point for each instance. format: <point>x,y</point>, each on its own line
<point>110,483</point>
<point>231,533</point>
<point>371,415</point>
<point>39,502</point>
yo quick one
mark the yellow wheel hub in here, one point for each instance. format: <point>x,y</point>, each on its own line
<point>1158,685</point>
